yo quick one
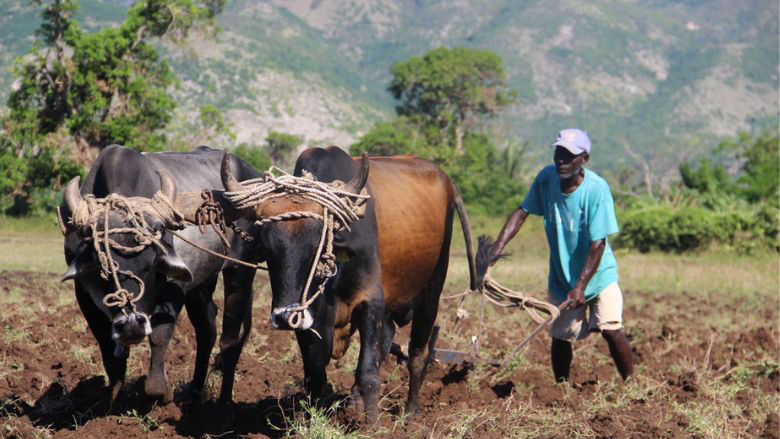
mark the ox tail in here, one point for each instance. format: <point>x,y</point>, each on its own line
<point>464,224</point>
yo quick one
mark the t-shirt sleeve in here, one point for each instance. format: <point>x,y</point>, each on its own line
<point>601,214</point>
<point>533,201</point>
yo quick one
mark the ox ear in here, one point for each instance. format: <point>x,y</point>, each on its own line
<point>359,181</point>
<point>81,264</point>
<point>173,267</point>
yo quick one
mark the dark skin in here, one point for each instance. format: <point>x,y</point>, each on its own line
<point>569,169</point>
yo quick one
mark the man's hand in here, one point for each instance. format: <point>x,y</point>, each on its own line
<point>577,297</point>
<point>488,253</point>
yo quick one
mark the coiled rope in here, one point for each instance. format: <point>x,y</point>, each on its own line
<point>499,295</point>
<point>502,296</point>
<point>340,208</point>
<point>86,218</point>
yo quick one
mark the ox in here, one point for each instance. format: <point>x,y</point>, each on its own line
<point>172,273</point>
<point>390,269</point>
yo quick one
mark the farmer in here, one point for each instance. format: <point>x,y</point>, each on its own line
<point>579,215</point>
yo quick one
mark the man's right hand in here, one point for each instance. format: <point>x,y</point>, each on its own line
<point>488,252</point>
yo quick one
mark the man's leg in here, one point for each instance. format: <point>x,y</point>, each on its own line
<point>565,329</point>
<point>608,315</point>
<point>561,354</point>
<point>620,350</point>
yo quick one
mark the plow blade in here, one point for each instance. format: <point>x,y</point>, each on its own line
<point>449,356</point>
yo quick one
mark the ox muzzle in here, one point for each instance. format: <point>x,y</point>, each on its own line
<point>280,318</point>
<point>131,328</point>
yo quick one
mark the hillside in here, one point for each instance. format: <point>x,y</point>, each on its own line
<point>654,76</point>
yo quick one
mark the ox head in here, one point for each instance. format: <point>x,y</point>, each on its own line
<point>290,247</point>
<point>138,262</point>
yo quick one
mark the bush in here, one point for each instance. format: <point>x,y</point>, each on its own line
<point>487,177</point>
<point>256,157</point>
<point>694,228</point>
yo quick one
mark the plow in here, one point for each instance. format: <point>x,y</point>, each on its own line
<point>499,295</point>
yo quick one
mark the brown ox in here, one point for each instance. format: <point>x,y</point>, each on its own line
<point>390,265</point>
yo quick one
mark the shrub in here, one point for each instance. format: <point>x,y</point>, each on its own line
<point>694,228</point>
<point>256,157</point>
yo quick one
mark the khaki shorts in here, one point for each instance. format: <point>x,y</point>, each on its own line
<point>605,312</point>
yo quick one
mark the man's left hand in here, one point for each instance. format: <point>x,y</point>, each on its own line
<point>577,297</point>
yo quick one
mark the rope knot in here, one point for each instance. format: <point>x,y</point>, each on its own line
<point>340,208</point>
<point>88,216</point>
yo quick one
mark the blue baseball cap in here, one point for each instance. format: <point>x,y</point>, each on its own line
<point>576,141</point>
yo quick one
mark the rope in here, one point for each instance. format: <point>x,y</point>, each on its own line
<point>346,207</point>
<point>339,209</point>
<point>219,255</point>
<point>502,296</point>
<point>86,218</point>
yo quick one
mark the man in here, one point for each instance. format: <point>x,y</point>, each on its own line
<point>579,215</point>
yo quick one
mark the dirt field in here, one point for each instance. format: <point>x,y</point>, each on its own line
<point>695,377</point>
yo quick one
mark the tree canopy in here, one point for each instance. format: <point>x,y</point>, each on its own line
<point>79,92</point>
<point>443,96</point>
<point>451,88</point>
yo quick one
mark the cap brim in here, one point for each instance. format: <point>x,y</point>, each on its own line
<point>573,149</point>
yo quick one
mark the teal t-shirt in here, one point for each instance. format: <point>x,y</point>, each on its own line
<point>572,222</point>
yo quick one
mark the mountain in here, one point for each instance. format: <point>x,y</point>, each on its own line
<point>650,80</point>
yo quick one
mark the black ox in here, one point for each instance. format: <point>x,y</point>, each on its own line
<point>174,273</point>
<point>390,267</point>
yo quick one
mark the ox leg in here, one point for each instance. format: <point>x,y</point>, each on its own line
<point>423,319</point>
<point>163,322</point>
<point>202,313</point>
<point>388,334</point>
<point>236,324</point>
<point>315,353</point>
<point>100,326</point>
<point>372,335</point>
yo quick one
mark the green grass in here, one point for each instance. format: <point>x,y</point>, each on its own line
<point>31,244</point>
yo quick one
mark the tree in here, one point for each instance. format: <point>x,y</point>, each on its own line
<point>281,145</point>
<point>110,86</point>
<point>451,88</point>
<point>393,137</point>
<point>79,92</point>
<point>760,178</point>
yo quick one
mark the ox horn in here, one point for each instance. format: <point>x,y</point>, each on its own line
<point>358,181</point>
<point>72,194</point>
<point>230,183</point>
<point>167,185</point>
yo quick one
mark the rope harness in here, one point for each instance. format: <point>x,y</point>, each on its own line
<point>86,218</point>
<point>504,297</point>
<point>499,295</point>
<point>340,208</point>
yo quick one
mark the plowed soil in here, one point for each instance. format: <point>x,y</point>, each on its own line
<point>689,370</point>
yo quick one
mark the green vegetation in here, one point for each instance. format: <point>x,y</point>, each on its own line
<point>280,147</point>
<point>256,157</point>
<point>444,98</point>
<point>81,91</point>
<point>711,206</point>
<point>450,89</point>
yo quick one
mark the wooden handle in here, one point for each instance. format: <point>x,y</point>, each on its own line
<point>533,334</point>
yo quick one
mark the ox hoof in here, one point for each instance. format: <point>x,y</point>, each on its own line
<point>412,409</point>
<point>355,401</point>
<point>115,389</point>
<point>158,388</point>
